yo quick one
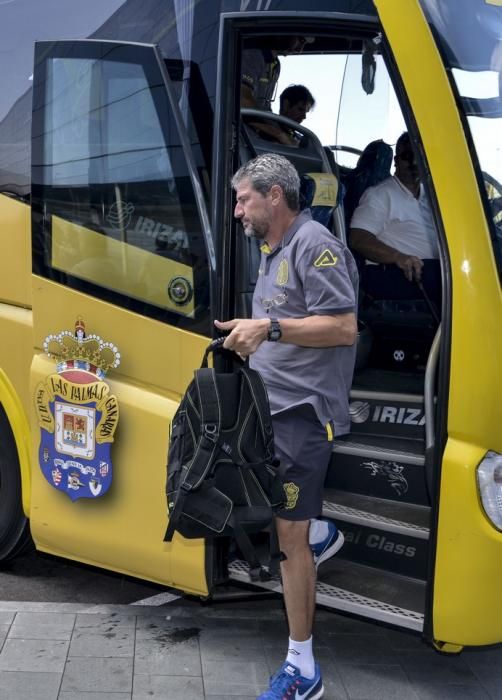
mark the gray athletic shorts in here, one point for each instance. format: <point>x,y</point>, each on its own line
<point>304,449</point>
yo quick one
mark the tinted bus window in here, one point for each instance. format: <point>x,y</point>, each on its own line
<point>114,210</point>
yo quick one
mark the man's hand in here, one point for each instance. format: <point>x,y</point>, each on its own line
<point>246,334</point>
<point>373,249</point>
<point>411,265</point>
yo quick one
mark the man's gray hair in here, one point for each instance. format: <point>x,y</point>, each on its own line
<point>271,169</point>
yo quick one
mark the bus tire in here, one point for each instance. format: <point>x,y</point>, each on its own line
<point>15,535</point>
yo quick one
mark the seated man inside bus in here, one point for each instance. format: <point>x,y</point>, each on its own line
<point>392,229</point>
<point>295,102</point>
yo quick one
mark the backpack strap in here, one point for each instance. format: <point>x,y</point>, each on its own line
<point>210,427</point>
<point>256,571</point>
<point>276,556</point>
<point>260,397</point>
<point>209,402</point>
<point>215,344</point>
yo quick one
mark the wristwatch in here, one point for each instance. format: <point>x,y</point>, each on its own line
<point>274,332</point>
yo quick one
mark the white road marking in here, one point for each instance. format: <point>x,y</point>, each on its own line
<point>159,599</point>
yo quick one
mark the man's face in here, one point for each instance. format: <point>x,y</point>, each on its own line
<point>253,209</point>
<point>406,164</point>
<point>297,111</point>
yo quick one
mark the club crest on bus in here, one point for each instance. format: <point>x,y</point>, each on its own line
<point>77,414</point>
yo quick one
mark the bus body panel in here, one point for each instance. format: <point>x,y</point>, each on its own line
<point>122,530</point>
<point>468,566</point>
<point>17,328</point>
<point>153,354</point>
<point>15,252</point>
<point>474,413</point>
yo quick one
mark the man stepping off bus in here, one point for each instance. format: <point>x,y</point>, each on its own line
<point>302,340</point>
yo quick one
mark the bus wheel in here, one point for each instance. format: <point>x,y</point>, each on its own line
<point>14,530</point>
<point>447,648</point>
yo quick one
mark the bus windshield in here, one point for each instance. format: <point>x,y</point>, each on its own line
<point>469,36</point>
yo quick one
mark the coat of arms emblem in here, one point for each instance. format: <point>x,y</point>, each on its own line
<point>77,414</point>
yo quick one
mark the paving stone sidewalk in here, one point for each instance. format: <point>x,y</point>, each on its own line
<point>78,652</point>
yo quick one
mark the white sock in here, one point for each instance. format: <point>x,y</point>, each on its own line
<point>300,655</point>
<point>318,531</point>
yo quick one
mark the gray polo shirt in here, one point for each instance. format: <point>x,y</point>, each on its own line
<point>313,274</point>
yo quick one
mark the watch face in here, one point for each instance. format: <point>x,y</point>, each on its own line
<point>274,334</point>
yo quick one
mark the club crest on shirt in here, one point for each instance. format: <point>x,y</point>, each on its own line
<point>282,273</point>
<point>326,259</point>
<point>77,414</point>
<point>291,490</point>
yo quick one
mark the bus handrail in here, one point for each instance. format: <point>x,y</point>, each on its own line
<point>429,382</point>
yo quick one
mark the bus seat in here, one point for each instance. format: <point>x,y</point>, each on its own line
<point>321,193</point>
<point>308,156</point>
<point>372,168</point>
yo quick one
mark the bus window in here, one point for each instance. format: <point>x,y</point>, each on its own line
<point>472,52</point>
<point>114,210</point>
<point>340,114</point>
<point>353,127</point>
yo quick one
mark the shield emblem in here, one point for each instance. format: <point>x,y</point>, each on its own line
<point>77,415</point>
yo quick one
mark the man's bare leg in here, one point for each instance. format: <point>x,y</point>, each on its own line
<point>298,577</point>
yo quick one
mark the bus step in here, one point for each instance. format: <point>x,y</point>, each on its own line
<point>353,597</point>
<point>374,512</point>
<point>388,535</point>
<point>381,467</point>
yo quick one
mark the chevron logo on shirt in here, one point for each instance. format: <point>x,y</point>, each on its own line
<point>326,259</point>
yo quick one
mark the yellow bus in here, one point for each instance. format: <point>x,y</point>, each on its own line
<point>120,127</point>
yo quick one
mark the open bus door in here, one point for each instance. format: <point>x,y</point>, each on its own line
<point>395,483</point>
<point>462,38</point>
<point>121,247</point>
<point>383,510</point>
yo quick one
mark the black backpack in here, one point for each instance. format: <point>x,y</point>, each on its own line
<point>222,475</point>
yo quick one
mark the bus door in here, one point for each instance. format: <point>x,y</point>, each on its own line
<point>377,489</point>
<point>420,518</point>
<point>457,103</point>
<point>123,264</point>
